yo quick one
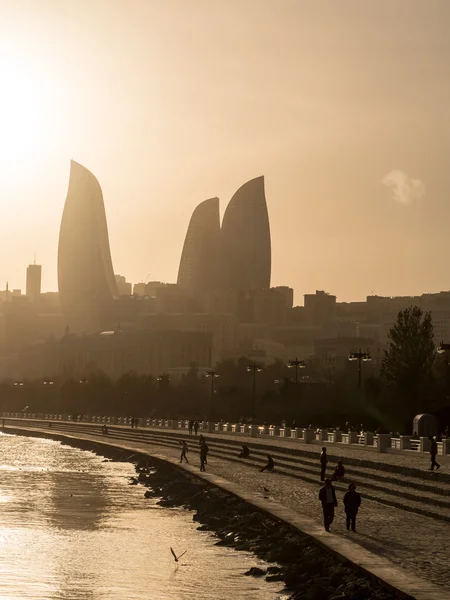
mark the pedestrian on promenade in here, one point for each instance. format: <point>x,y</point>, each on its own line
<point>327,496</point>
<point>352,501</point>
<point>196,426</point>
<point>433,452</point>
<point>323,463</point>
<point>203,454</point>
<point>190,427</point>
<point>184,451</point>
<point>339,471</point>
<point>245,452</point>
<point>269,466</point>
<point>202,442</point>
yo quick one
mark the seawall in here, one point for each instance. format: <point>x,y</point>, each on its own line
<point>227,509</point>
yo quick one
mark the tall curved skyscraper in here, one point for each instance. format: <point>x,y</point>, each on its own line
<point>86,279</point>
<point>198,265</point>
<point>245,239</point>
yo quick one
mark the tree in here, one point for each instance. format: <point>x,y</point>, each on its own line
<point>408,360</point>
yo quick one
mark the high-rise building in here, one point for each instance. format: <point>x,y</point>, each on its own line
<point>86,280</point>
<point>245,239</point>
<point>33,288</point>
<point>199,260</point>
<point>123,286</point>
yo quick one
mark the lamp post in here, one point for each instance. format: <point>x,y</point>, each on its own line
<point>255,368</point>
<point>360,357</point>
<point>163,381</point>
<point>212,375</point>
<point>298,364</point>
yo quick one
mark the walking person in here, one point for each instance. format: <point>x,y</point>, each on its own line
<point>184,451</point>
<point>433,452</point>
<point>323,463</point>
<point>269,466</point>
<point>352,501</point>
<point>190,427</point>
<point>203,454</point>
<point>327,496</point>
<point>196,426</point>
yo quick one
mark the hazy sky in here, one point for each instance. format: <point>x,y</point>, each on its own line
<point>342,105</point>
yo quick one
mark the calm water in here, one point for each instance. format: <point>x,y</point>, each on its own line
<point>72,528</point>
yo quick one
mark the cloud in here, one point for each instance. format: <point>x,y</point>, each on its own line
<point>404,189</point>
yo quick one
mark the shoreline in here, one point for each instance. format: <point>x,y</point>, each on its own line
<point>307,568</point>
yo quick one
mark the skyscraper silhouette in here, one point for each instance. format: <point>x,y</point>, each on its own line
<point>245,239</point>
<point>86,280</point>
<point>198,269</point>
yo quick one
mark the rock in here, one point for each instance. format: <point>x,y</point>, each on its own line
<point>255,572</point>
<point>275,577</point>
<point>272,570</point>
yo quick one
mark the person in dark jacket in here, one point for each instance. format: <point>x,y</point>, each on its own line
<point>323,463</point>
<point>327,496</point>
<point>433,452</point>
<point>245,452</point>
<point>352,501</point>
<point>203,455</point>
<point>269,466</point>
<point>339,471</point>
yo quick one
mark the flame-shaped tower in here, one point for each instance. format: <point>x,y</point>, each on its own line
<point>245,239</point>
<point>198,265</point>
<point>85,272</point>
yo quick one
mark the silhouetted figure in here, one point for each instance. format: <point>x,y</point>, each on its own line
<point>196,427</point>
<point>269,466</point>
<point>327,496</point>
<point>203,456</point>
<point>352,501</point>
<point>339,471</point>
<point>104,430</point>
<point>323,463</point>
<point>245,452</point>
<point>184,451</point>
<point>433,452</point>
<point>190,427</point>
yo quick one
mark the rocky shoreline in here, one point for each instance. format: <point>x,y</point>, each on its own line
<point>307,570</point>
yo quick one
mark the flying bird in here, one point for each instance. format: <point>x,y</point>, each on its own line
<point>177,558</point>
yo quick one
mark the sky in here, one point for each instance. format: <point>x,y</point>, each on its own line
<point>342,105</point>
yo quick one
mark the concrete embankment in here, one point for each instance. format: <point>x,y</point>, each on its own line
<point>312,564</point>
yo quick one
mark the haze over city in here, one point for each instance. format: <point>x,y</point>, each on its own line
<point>341,106</point>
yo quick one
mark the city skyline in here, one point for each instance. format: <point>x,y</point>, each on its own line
<point>171,104</point>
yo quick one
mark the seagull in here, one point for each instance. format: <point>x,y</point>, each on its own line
<point>175,556</point>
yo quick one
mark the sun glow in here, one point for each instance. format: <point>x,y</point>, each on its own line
<point>25,114</point>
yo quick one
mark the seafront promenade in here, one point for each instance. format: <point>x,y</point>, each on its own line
<point>405,515</point>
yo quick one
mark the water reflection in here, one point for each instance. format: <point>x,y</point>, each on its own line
<point>72,529</point>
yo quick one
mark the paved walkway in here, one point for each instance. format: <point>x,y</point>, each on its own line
<point>417,544</point>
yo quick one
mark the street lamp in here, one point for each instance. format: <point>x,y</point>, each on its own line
<point>360,357</point>
<point>163,380</point>
<point>298,364</point>
<point>213,375</point>
<point>255,368</point>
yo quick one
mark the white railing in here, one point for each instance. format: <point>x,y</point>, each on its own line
<point>320,436</point>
